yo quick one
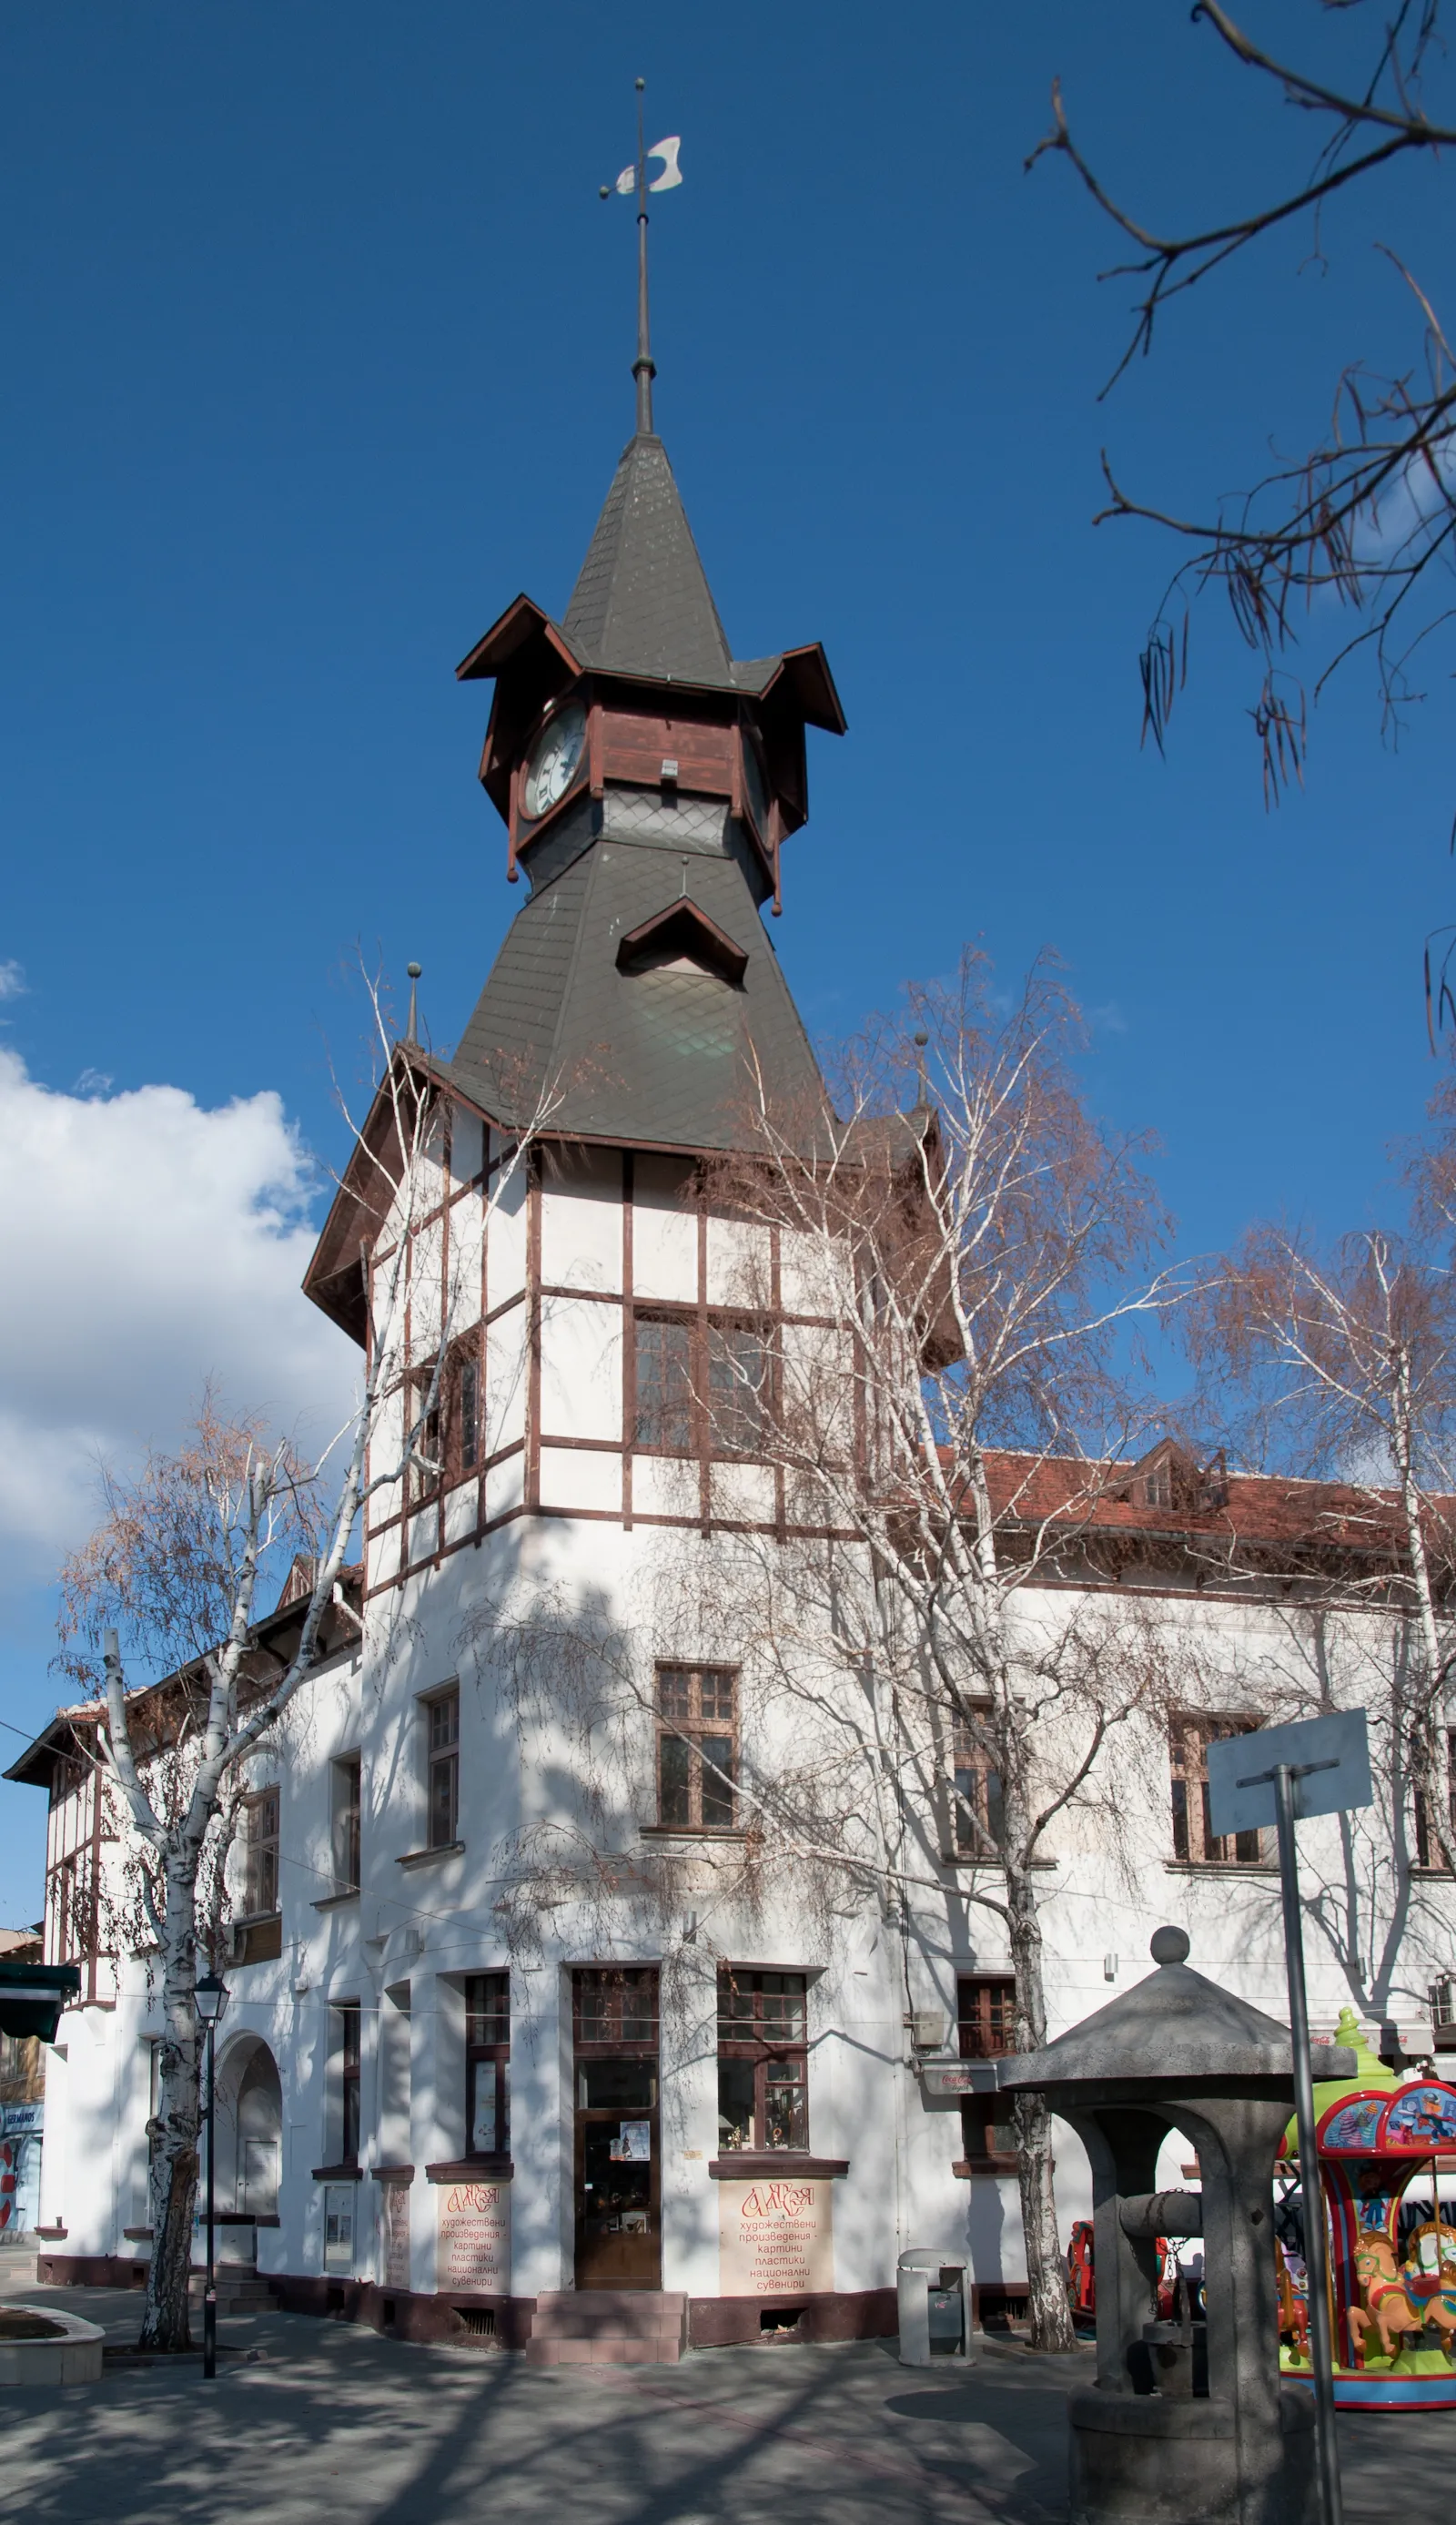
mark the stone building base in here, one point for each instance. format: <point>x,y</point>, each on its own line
<point>506,2323</point>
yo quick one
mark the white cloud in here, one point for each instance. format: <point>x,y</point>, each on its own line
<point>146,1244</point>
<point>11,978</point>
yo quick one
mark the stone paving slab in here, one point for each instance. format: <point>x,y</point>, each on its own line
<point>334,2419</point>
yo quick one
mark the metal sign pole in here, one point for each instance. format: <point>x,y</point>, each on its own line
<point>1310,2187</point>
<point>209,2289</point>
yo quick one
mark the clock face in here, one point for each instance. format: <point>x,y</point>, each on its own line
<point>553,761</point>
<point>756,785</point>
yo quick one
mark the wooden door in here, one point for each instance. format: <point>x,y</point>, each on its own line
<point>619,2175</point>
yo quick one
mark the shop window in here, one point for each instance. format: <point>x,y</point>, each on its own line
<point>1194,1838</point>
<point>487,2064</point>
<point>346,2033</point>
<point>1428,1851</point>
<point>979,1808</point>
<point>344,1792</point>
<point>986,2010</point>
<point>261,1854</point>
<point>696,1747</point>
<point>442,1719</point>
<point>988,2131</point>
<point>762,2060</point>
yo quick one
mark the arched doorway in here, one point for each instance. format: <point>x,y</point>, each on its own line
<point>250,2126</point>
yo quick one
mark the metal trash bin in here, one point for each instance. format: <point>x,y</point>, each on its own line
<point>935,2308</point>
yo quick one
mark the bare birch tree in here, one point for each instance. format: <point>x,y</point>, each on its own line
<point>1342,1367</point>
<point>947,1404</point>
<point>175,1572</point>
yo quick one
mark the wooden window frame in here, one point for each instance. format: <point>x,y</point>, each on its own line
<point>345,1822</point>
<point>1428,1848</point>
<point>629,2026</point>
<point>441,1712</point>
<point>261,1811</point>
<point>767,2041</point>
<point>452,1434</point>
<point>488,2055</point>
<point>728,1436</point>
<point>1194,1845</point>
<point>976,1818</point>
<point>985,2015</point>
<point>696,1747</point>
<point>980,2117</point>
<point>350,2063</point>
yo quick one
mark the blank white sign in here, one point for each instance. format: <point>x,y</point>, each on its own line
<point>1337,1740</point>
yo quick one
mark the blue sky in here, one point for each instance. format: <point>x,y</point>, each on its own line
<point>319,339</point>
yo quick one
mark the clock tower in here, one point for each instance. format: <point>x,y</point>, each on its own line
<point>648,781</point>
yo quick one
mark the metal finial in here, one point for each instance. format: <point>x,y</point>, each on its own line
<point>412,1030</point>
<point>642,368</point>
<point>921,1040</point>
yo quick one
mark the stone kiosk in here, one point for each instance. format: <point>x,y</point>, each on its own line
<point>1187,2423</point>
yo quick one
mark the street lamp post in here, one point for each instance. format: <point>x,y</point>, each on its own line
<point>210,1997</point>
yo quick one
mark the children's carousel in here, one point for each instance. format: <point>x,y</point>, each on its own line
<point>1383,2144</point>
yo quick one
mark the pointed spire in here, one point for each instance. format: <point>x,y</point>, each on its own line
<point>642,603</point>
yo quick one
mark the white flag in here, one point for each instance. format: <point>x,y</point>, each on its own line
<point>671,175</point>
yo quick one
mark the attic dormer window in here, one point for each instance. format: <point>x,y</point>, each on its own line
<point>682,938</point>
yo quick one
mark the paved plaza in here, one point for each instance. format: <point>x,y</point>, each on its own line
<point>331,2421</point>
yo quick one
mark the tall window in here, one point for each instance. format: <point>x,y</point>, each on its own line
<point>697,1746</point>
<point>664,1383</point>
<point>762,2060</point>
<point>261,1854</point>
<point>487,2064</point>
<point>1193,1835</point>
<point>449,1438</point>
<point>1428,1851</point>
<point>344,1785</point>
<point>980,1815</point>
<point>348,2056</point>
<point>737,1374</point>
<point>442,1715</point>
<point>465,1416</point>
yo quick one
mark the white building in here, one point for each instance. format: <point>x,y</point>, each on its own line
<point>511,2012</point>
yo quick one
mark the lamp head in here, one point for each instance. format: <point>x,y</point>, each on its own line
<point>210,1998</point>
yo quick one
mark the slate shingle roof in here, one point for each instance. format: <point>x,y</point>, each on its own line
<point>642,603</point>
<point>657,1056</point>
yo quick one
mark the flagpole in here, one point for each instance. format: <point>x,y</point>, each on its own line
<point>642,368</point>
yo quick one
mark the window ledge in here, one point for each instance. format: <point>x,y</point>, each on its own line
<point>331,1902</point>
<point>692,1831</point>
<point>472,2170</point>
<point>747,2164</point>
<point>256,1919</point>
<point>338,2174</point>
<point>968,1859</point>
<point>393,2173</point>
<point>424,1857</point>
<point>965,2166</point>
<point>1221,1867</point>
<point>1432,1874</point>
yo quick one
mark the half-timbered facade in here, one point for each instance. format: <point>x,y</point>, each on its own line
<point>519,2017</point>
